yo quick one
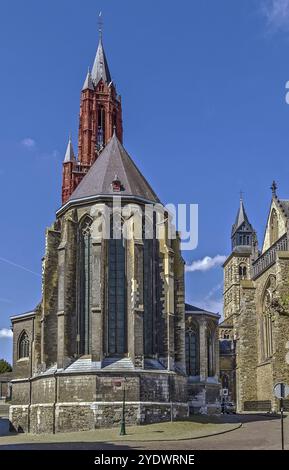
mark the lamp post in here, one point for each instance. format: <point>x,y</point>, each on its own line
<point>122,423</point>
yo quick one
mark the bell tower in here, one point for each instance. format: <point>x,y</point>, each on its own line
<point>100,116</point>
<point>238,265</point>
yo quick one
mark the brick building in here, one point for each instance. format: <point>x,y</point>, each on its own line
<point>112,313</point>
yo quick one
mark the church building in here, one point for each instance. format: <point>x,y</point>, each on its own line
<point>256,309</point>
<point>112,314</point>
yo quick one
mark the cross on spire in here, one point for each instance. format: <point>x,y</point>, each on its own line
<point>274,188</point>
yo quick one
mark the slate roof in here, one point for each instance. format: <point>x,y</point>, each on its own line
<point>86,365</point>
<point>192,309</point>
<point>241,218</point>
<point>114,162</point>
<point>69,154</point>
<point>88,84</point>
<point>100,67</point>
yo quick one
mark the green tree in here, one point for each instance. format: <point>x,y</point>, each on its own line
<point>4,366</point>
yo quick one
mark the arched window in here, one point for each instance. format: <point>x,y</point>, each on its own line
<point>226,334</point>
<point>192,350</point>
<point>211,351</point>
<point>243,271</point>
<point>101,127</point>
<point>266,323</point>
<point>116,293</point>
<point>23,351</point>
<point>274,227</point>
<point>266,326</point>
<point>149,273</point>
<point>85,285</point>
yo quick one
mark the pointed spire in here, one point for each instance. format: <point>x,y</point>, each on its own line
<point>100,67</point>
<point>241,215</point>
<point>69,155</point>
<point>88,84</point>
<point>243,234</point>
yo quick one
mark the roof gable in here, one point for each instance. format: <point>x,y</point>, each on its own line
<point>281,207</point>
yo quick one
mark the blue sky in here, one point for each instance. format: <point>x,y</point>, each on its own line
<point>203,90</point>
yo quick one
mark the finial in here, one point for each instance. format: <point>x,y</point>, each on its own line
<point>100,25</point>
<point>69,136</point>
<point>241,196</point>
<point>274,188</point>
<point>114,129</point>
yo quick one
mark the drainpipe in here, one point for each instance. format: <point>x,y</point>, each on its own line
<point>30,375</point>
<point>55,401</point>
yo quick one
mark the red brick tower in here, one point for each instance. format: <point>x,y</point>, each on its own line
<point>100,114</point>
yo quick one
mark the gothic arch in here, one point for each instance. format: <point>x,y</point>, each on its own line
<point>266,324</point>
<point>150,317</point>
<point>192,348</point>
<point>242,271</point>
<point>84,256</point>
<point>116,290</point>
<point>211,350</point>
<point>23,345</point>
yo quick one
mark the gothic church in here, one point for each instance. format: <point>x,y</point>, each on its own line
<point>113,312</point>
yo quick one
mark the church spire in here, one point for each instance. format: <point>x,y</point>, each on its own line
<point>99,118</point>
<point>88,84</point>
<point>242,231</point>
<point>241,215</point>
<point>69,154</point>
<point>100,67</point>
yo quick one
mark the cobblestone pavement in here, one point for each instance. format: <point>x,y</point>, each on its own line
<point>257,433</point>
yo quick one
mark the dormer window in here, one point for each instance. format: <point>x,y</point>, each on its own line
<point>116,184</point>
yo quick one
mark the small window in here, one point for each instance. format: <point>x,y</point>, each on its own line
<point>210,351</point>
<point>23,346</point>
<point>243,271</point>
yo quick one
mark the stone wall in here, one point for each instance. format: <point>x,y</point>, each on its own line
<point>88,416</point>
<point>89,401</point>
<point>22,367</point>
<point>204,397</point>
<point>20,392</point>
<point>227,367</point>
<point>232,282</point>
<point>43,390</point>
<point>49,297</point>
<point>246,357</point>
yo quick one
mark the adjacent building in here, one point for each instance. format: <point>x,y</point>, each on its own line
<point>256,307</point>
<point>202,360</point>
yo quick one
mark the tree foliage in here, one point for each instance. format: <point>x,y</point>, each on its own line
<point>4,366</point>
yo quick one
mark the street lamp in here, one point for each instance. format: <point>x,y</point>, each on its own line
<point>122,423</point>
